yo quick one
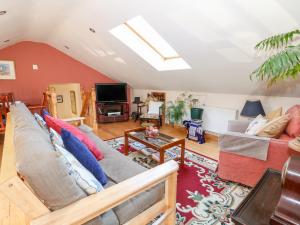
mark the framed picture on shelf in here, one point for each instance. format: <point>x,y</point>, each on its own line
<point>7,70</point>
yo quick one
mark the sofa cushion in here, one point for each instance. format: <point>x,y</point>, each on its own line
<point>118,168</point>
<point>274,114</point>
<point>293,127</point>
<point>40,121</point>
<point>30,149</point>
<point>255,125</point>
<point>274,128</point>
<point>55,138</point>
<point>39,164</point>
<point>285,137</point>
<point>83,155</point>
<point>84,179</point>
<point>58,124</point>
<point>107,218</point>
<point>23,117</point>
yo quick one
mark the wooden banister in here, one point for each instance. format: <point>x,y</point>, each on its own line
<point>94,205</point>
<point>88,111</point>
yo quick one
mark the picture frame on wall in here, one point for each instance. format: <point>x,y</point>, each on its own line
<point>59,99</point>
<point>7,70</point>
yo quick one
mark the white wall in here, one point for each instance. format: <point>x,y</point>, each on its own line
<point>230,101</point>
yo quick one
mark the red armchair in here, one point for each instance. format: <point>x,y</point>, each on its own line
<point>248,170</point>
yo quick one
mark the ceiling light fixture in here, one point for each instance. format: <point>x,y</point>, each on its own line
<point>67,47</point>
<point>2,12</point>
<point>92,30</point>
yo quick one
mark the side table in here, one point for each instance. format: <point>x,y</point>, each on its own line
<point>258,206</point>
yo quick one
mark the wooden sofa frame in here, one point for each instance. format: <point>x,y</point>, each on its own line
<point>19,205</point>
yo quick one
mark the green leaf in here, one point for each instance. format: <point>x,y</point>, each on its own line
<point>277,41</point>
<point>283,65</point>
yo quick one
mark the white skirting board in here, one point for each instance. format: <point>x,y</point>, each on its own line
<point>215,119</point>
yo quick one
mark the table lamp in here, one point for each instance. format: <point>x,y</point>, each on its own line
<point>137,100</point>
<point>253,108</point>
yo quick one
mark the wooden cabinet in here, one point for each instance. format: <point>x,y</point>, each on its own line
<point>105,112</point>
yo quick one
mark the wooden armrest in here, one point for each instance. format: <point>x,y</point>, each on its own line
<point>94,205</point>
<point>135,130</point>
<point>73,119</point>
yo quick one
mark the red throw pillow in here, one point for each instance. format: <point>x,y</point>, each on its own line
<point>57,125</point>
<point>293,127</point>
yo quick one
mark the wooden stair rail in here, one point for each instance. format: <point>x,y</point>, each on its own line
<point>16,192</point>
<point>88,111</point>
<point>52,101</point>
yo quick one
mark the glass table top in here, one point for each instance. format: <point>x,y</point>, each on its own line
<point>160,140</point>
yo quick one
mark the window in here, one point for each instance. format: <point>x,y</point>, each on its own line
<point>138,35</point>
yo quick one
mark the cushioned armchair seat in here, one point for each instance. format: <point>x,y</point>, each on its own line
<point>149,116</point>
<point>248,170</point>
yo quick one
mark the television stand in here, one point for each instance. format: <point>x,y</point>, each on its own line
<point>112,112</point>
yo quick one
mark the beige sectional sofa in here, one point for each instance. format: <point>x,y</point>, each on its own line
<point>44,171</point>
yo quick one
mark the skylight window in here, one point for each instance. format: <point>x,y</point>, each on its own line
<point>138,35</point>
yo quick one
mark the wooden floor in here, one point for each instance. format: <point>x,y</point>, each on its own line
<point>113,130</point>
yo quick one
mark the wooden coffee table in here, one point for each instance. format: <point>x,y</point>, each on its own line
<point>160,143</point>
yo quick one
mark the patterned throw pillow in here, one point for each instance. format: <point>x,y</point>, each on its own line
<point>274,128</point>
<point>256,125</point>
<point>56,138</point>
<point>84,179</point>
<point>40,121</point>
<point>83,155</point>
<point>44,113</point>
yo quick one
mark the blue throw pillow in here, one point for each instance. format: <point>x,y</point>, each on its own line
<point>44,113</point>
<point>83,155</point>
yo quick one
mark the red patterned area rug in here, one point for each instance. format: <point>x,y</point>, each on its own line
<point>202,197</point>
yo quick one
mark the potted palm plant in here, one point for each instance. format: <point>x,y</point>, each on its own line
<point>284,62</point>
<point>176,111</point>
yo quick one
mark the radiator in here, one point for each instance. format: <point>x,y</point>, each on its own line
<point>215,119</point>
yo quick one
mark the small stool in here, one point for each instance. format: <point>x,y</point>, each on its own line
<point>194,130</point>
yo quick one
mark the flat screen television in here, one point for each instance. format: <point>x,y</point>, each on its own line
<point>114,92</point>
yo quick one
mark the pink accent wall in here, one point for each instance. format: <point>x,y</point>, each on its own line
<point>53,67</point>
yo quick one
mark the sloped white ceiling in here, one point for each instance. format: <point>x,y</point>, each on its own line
<point>215,37</point>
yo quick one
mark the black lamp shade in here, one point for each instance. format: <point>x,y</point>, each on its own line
<point>137,100</point>
<point>253,109</point>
